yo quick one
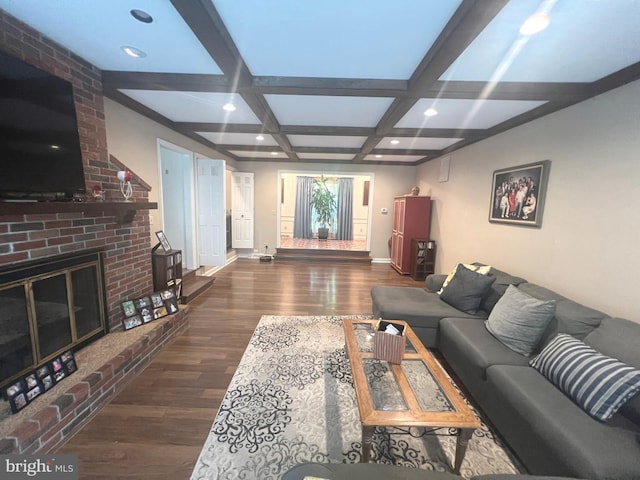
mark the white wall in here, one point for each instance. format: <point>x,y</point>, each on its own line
<point>587,248</point>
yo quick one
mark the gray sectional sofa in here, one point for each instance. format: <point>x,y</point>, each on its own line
<point>549,433</point>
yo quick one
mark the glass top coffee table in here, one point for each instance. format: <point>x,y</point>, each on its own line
<point>416,393</point>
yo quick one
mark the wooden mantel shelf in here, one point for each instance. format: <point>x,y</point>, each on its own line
<point>124,211</point>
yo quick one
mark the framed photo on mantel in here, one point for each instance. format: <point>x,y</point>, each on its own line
<point>517,194</point>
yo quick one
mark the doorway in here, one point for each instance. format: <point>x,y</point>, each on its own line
<point>178,202</point>
<point>361,213</point>
<point>193,205</point>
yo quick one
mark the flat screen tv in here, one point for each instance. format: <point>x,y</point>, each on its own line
<point>40,155</point>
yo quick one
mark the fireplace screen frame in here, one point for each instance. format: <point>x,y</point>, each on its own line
<point>26,275</point>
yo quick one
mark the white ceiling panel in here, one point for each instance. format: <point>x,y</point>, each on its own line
<point>419,143</point>
<point>255,154</point>
<point>328,110</point>
<point>326,156</point>
<point>96,31</point>
<point>227,138</point>
<point>335,38</point>
<point>194,106</point>
<point>453,113</point>
<point>326,141</point>
<point>581,44</point>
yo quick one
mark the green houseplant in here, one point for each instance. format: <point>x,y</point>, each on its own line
<point>324,203</point>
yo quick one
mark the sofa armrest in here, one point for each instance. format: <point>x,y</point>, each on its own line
<point>434,282</point>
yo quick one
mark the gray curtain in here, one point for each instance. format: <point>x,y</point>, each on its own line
<point>345,209</point>
<point>302,214</point>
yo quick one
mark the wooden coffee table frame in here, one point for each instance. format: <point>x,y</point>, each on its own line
<point>461,418</point>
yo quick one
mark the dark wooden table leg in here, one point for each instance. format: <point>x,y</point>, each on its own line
<point>367,440</point>
<point>461,447</point>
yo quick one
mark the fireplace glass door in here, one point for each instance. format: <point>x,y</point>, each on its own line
<point>49,312</point>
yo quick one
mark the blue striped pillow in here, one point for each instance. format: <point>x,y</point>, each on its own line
<point>599,384</point>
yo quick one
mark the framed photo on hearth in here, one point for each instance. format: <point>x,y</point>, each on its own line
<point>518,194</point>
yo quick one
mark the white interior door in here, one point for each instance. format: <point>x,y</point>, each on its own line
<point>211,216</point>
<point>242,210</point>
<point>176,167</point>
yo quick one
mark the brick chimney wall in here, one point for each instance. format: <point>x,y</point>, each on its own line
<point>26,237</point>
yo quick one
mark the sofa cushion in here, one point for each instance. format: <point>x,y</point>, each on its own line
<point>471,349</point>
<point>551,434</point>
<point>598,383</point>
<point>570,317</point>
<point>415,305</point>
<point>466,289</point>
<point>612,338</point>
<point>519,320</point>
<point>481,269</point>
<point>503,280</point>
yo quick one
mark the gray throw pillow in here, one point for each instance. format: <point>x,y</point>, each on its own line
<point>519,320</point>
<point>466,289</point>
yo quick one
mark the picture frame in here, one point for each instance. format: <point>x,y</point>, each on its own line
<point>162,238</point>
<point>36,382</point>
<point>128,308</point>
<point>147,308</point>
<point>132,322</point>
<point>518,194</point>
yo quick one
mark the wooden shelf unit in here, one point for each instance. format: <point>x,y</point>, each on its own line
<point>167,271</point>
<point>423,253</point>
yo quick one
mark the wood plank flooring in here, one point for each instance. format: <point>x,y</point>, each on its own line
<point>156,427</point>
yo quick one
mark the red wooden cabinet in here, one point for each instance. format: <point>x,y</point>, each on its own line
<point>411,219</point>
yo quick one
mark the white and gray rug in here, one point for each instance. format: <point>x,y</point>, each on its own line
<point>292,400</point>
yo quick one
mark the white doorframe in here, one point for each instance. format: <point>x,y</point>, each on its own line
<point>371,176</point>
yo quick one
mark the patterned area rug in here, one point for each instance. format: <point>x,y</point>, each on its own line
<point>292,400</point>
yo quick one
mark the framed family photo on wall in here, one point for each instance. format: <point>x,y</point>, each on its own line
<point>517,194</point>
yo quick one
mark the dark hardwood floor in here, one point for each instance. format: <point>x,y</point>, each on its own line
<point>156,427</point>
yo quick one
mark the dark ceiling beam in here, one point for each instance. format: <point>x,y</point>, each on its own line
<point>465,25</point>
<point>326,130</point>
<point>506,90</point>
<point>191,82</point>
<point>205,22</point>
<point>471,17</point>
<point>435,132</point>
<point>329,86</point>
<point>222,127</point>
<point>616,79</point>
<point>404,151</point>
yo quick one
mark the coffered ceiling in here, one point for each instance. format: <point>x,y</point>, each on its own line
<point>349,81</point>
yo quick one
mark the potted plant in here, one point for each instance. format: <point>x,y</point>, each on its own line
<point>324,203</point>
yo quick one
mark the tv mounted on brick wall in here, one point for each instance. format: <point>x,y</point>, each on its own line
<point>40,155</point>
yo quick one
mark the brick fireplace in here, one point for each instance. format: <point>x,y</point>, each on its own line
<point>40,233</point>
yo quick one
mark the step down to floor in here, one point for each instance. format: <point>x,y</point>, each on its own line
<point>193,285</point>
<point>321,255</point>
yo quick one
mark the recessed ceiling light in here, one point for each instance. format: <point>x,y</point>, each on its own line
<point>274,153</point>
<point>55,147</point>
<point>430,112</point>
<point>141,15</point>
<point>229,107</point>
<point>260,138</point>
<point>378,156</point>
<point>395,142</point>
<point>535,24</point>
<point>133,51</point>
